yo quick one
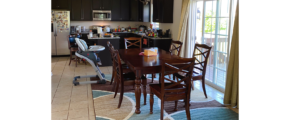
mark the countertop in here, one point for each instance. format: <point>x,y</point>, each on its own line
<point>143,34</point>
<point>102,38</point>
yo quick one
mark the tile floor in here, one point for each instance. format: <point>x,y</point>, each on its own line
<point>69,102</point>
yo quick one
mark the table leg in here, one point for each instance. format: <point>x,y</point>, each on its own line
<point>144,83</point>
<point>138,91</point>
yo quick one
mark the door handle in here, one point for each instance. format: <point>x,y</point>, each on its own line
<point>100,7</point>
<point>103,7</point>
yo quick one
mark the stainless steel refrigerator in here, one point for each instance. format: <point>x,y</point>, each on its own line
<point>60,30</point>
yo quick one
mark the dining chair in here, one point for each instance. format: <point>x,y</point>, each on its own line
<point>175,90</point>
<point>124,66</point>
<point>133,42</point>
<point>121,78</point>
<point>175,48</point>
<point>201,53</point>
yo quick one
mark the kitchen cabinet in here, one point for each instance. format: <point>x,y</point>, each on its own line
<point>163,11</point>
<point>135,11</point>
<point>59,4</point>
<point>101,4</point>
<point>160,43</point>
<point>139,11</point>
<point>81,10</point>
<point>120,10</point>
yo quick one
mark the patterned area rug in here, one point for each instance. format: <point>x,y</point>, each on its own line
<point>201,108</point>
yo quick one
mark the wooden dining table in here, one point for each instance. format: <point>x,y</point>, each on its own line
<point>140,65</point>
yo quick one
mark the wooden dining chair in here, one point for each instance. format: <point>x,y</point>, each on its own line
<point>133,41</point>
<point>124,66</point>
<point>175,48</point>
<point>201,53</point>
<point>175,90</point>
<point>121,78</point>
<point>72,49</point>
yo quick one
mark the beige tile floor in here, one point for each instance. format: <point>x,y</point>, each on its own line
<point>69,102</point>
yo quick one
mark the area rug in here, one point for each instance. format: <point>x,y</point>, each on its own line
<point>201,109</point>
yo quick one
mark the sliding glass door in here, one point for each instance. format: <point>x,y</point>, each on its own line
<point>214,28</point>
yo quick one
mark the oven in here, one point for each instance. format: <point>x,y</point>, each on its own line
<point>102,15</point>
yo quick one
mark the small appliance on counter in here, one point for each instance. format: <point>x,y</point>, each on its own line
<point>160,34</point>
<point>78,29</point>
<point>73,29</point>
<point>142,28</point>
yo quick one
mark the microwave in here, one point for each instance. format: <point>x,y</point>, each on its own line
<point>102,15</point>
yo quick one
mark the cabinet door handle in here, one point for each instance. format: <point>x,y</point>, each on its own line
<point>157,19</point>
<point>103,7</point>
<point>100,7</point>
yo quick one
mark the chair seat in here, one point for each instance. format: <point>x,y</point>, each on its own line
<point>156,89</point>
<point>194,76</point>
<point>74,49</point>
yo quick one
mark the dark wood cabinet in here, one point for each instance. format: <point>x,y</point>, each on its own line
<point>125,10</point>
<point>160,43</point>
<point>102,4</point>
<point>120,10</point>
<point>163,11</point>
<point>81,10</point>
<point>59,4</point>
<point>76,10</point>
<point>116,10</point>
<point>87,10</point>
<point>134,11</point>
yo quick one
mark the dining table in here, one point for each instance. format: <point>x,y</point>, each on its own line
<point>141,65</point>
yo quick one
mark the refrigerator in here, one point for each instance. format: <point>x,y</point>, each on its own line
<point>60,30</point>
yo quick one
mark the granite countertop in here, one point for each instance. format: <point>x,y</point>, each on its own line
<point>103,37</point>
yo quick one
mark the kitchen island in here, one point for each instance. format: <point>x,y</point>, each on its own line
<point>118,43</point>
<point>105,55</point>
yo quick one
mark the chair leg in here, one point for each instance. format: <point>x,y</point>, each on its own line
<point>112,79</point>
<point>162,109</point>
<point>192,85</point>
<point>144,83</point>
<point>70,57</point>
<point>187,110</point>
<point>176,102</point>
<point>152,78</point>
<point>203,87</point>
<point>116,89</point>
<point>121,94</point>
<point>114,85</point>
<point>76,60</point>
<point>151,101</point>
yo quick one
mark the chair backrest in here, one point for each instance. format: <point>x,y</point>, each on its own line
<point>133,41</point>
<point>111,49</point>
<point>117,65</point>
<point>201,53</point>
<point>69,43</point>
<point>82,44</point>
<point>175,47</point>
<point>184,65</point>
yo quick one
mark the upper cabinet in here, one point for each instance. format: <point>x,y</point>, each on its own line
<point>59,4</point>
<point>163,11</point>
<point>120,10</point>
<point>81,10</point>
<point>102,4</point>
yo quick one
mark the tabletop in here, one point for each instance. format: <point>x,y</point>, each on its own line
<point>140,62</point>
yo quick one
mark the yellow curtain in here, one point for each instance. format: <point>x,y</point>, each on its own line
<point>232,82</point>
<point>183,25</point>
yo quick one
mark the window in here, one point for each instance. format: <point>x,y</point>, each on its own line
<point>214,28</point>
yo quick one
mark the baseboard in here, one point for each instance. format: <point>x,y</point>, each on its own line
<point>60,55</point>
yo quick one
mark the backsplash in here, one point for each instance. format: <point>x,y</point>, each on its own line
<point>113,24</point>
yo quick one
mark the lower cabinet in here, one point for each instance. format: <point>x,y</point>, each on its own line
<point>160,43</point>
<point>105,55</point>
